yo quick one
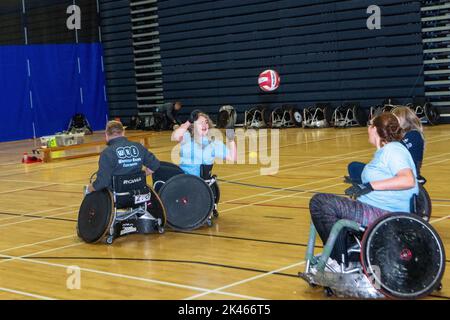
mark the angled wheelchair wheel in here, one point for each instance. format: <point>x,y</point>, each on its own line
<point>188,200</point>
<point>328,115</point>
<point>95,216</point>
<point>296,116</point>
<point>423,205</point>
<point>431,113</point>
<point>216,192</point>
<point>156,208</point>
<point>403,255</point>
<point>360,115</point>
<point>266,114</point>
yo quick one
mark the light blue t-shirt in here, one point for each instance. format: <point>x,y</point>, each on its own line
<point>387,162</point>
<point>193,155</point>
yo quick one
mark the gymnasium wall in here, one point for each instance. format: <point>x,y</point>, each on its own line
<point>117,40</point>
<point>213,50</point>
<point>49,69</point>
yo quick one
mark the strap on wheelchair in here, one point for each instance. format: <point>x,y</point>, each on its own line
<point>206,171</point>
<point>413,203</point>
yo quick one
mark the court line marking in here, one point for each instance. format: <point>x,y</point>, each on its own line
<point>245,280</point>
<point>12,258</point>
<point>37,212</point>
<point>24,189</point>
<point>124,276</point>
<point>228,201</point>
<point>242,198</point>
<point>251,196</point>
<point>217,290</point>
<point>34,181</point>
<point>23,215</point>
<point>332,159</point>
<point>434,221</point>
<point>227,176</point>
<point>440,219</point>
<point>90,161</point>
<point>246,197</point>
<point>279,197</point>
<point>28,294</point>
<point>34,219</point>
<point>37,243</point>
<point>266,274</point>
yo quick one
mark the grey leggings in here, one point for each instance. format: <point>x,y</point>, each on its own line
<point>327,209</point>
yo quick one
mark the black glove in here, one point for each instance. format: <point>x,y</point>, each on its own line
<point>357,190</point>
<point>348,180</point>
<point>421,180</point>
<point>194,116</point>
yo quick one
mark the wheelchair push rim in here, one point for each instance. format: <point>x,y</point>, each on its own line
<point>424,207</point>
<point>95,216</point>
<point>188,201</point>
<point>403,255</point>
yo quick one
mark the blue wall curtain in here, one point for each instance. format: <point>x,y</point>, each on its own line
<point>49,72</point>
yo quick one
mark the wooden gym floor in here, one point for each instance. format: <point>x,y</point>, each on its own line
<point>254,250</point>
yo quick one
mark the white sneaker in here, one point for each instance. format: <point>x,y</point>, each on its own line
<point>331,266</point>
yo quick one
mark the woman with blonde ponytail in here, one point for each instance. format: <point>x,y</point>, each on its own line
<point>413,138</point>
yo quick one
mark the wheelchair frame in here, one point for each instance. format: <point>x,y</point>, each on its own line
<point>211,181</point>
<point>254,118</point>
<point>356,282</point>
<point>120,222</point>
<point>345,116</point>
<point>311,117</point>
<point>281,117</point>
<point>121,218</point>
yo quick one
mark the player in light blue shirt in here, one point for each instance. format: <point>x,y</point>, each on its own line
<point>388,185</point>
<point>388,161</point>
<point>198,148</point>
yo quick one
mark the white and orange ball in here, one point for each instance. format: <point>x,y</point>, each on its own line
<point>269,80</point>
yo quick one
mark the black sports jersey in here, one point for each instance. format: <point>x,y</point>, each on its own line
<point>122,157</point>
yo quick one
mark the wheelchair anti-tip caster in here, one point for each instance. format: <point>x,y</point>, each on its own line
<point>215,213</point>
<point>161,229</point>
<point>209,222</point>
<point>109,239</point>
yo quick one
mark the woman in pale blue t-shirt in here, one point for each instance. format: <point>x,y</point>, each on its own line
<point>198,148</point>
<point>388,185</point>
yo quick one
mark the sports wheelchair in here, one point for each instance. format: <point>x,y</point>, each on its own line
<point>349,115</point>
<point>190,201</point>
<point>425,111</point>
<point>318,116</point>
<point>386,106</point>
<point>130,207</point>
<point>285,116</point>
<point>257,117</point>
<point>399,255</point>
<point>227,117</point>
